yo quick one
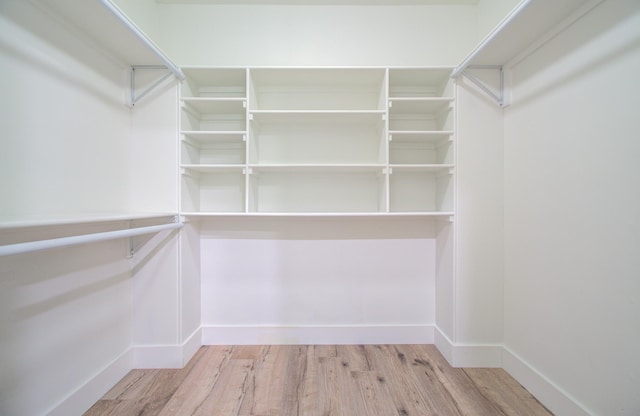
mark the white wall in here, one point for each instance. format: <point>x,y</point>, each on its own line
<point>491,12</point>
<point>326,274</point>
<point>70,147</point>
<point>144,13</point>
<point>316,35</point>
<point>64,123</point>
<point>478,311</point>
<point>66,315</point>
<point>571,216</point>
<point>152,146</point>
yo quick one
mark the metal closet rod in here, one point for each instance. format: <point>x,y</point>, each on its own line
<point>32,246</point>
<point>136,31</point>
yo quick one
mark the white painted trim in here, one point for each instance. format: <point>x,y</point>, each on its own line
<point>167,356</point>
<point>93,389</point>
<point>468,355</point>
<point>157,356</point>
<point>548,393</point>
<point>191,346</point>
<point>317,335</point>
<point>140,356</point>
<point>443,344</point>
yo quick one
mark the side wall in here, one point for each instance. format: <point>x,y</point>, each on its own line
<point>66,313</point>
<point>64,124</point>
<point>70,147</point>
<point>478,311</point>
<point>571,217</point>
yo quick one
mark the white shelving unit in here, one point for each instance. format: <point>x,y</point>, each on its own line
<point>317,141</point>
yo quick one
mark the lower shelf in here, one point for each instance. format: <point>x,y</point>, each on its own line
<point>439,215</point>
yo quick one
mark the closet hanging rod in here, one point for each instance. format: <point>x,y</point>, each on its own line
<point>32,246</point>
<point>143,38</point>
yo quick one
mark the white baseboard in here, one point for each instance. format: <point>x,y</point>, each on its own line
<point>86,395</point>
<point>468,355</point>
<point>553,397</point>
<point>139,356</point>
<point>458,355</point>
<point>167,356</point>
<point>191,345</point>
<point>497,355</point>
<point>327,335</point>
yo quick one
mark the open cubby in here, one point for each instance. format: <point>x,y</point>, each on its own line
<point>420,82</point>
<point>317,89</point>
<point>192,120</point>
<point>317,138</point>
<point>215,82</point>
<point>420,190</point>
<point>213,190</point>
<point>316,191</point>
<point>403,150</point>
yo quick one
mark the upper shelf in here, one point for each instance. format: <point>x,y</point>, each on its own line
<point>105,23</point>
<point>527,23</point>
<point>76,219</point>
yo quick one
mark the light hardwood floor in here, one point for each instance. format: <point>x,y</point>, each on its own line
<point>320,380</point>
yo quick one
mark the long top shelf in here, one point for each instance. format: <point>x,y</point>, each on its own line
<point>527,23</point>
<point>77,219</point>
<point>105,23</point>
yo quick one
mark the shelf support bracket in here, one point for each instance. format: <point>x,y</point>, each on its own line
<point>135,97</point>
<point>498,96</point>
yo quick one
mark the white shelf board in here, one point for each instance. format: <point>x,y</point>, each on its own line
<point>528,22</point>
<point>109,27</point>
<point>210,168</point>
<point>283,116</point>
<point>318,168</point>
<point>209,105</point>
<point>420,136</point>
<point>413,167</point>
<point>77,219</point>
<point>433,214</point>
<point>202,137</point>
<point>418,105</point>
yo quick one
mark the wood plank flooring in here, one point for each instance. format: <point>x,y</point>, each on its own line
<point>318,380</point>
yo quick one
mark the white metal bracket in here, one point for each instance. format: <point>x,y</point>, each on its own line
<point>136,97</point>
<point>499,96</point>
<point>133,248</point>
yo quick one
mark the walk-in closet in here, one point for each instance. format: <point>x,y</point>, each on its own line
<point>337,187</point>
